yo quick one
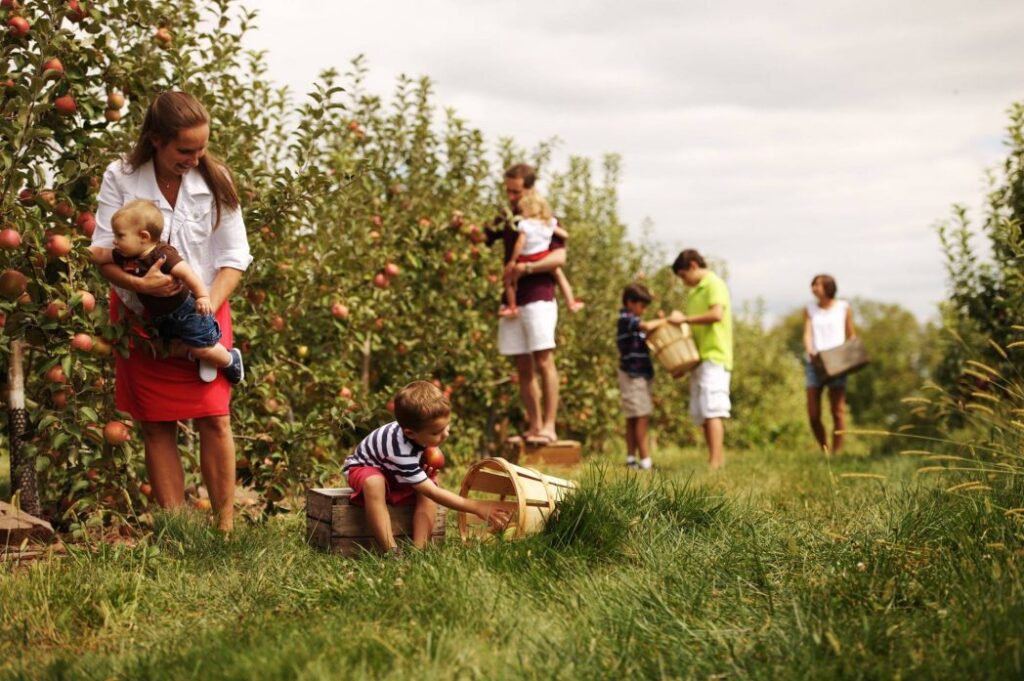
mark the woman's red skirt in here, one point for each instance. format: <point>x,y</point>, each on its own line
<point>166,389</point>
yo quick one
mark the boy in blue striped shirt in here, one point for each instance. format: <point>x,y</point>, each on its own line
<point>386,468</point>
<point>636,372</point>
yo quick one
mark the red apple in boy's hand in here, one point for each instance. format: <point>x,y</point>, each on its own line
<point>433,458</point>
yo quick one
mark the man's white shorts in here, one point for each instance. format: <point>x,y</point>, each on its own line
<point>709,392</point>
<point>531,331</point>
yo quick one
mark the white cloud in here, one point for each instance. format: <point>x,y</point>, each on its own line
<point>787,138</point>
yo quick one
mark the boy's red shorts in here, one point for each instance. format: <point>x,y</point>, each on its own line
<point>398,493</point>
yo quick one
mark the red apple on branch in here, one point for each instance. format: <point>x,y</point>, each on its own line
<point>64,209</point>
<point>88,300</point>
<point>338,310</point>
<point>52,68</point>
<point>391,269</point>
<point>58,245</point>
<point>18,26</point>
<point>101,348</point>
<point>56,310</point>
<point>163,37</point>
<point>86,222</point>
<point>116,433</point>
<point>65,105</point>
<point>12,284</point>
<point>9,238</point>
<point>75,11</point>
<point>380,280</point>
<point>83,342</point>
<point>55,374</point>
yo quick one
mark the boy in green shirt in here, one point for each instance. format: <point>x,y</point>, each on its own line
<point>709,313</point>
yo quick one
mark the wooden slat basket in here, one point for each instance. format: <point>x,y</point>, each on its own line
<point>528,496</point>
<point>334,525</point>
<point>672,345</point>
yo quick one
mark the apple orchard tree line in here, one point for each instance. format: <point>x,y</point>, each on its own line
<point>365,220</point>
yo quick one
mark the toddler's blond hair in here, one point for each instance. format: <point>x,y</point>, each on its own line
<point>139,215</point>
<point>533,205</point>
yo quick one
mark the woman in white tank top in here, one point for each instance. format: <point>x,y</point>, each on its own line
<point>828,323</point>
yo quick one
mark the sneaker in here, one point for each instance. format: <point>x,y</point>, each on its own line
<point>632,464</point>
<point>207,371</point>
<point>235,371</point>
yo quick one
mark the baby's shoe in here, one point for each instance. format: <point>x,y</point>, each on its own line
<point>235,371</point>
<point>207,371</point>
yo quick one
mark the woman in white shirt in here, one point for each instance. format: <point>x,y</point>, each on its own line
<point>170,166</point>
<point>828,323</point>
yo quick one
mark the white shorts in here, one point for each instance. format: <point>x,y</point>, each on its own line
<point>533,330</point>
<point>709,392</point>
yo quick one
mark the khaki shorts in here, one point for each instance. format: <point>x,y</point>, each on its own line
<point>636,395</point>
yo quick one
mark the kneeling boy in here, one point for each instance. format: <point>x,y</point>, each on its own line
<point>387,469</point>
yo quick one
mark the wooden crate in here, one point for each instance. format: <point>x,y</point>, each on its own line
<point>332,524</point>
<point>558,453</point>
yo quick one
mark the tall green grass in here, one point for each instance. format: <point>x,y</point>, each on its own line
<point>782,566</point>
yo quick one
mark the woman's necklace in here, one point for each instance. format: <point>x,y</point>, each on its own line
<point>167,185</point>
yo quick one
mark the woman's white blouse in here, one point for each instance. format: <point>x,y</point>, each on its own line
<point>828,326</point>
<point>188,226</point>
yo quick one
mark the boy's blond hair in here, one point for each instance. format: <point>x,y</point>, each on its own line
<point>533,205</point>
<point>141,214</point>
<point>419,403</point>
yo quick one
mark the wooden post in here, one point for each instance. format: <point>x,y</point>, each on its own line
<point>24,485</point>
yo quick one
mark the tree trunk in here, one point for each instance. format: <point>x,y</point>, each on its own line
<point>23,467</point>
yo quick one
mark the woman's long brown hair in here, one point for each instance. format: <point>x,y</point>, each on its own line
<point>168,114</point>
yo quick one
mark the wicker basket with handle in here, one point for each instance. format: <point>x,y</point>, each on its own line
<point>528,495</point>
<point>672,345</point>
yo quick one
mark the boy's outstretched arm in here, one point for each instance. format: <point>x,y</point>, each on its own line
<point>187,275</point>
<point>495,515</point>
<point>652,324</point>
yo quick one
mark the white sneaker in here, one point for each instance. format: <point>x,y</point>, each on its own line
<point>207,372</point>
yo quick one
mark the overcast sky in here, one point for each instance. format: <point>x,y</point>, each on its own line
<point>787,138</point>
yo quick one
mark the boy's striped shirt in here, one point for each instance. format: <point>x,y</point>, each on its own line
<point>634,358</point>
<point>389,450</point>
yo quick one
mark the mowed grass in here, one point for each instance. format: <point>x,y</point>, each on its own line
<point>781,566</point>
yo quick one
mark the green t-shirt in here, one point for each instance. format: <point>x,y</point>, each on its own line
<point>714,341</point>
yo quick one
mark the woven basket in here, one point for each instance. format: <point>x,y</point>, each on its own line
<point>674,348</point>
<point>528,496</point>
